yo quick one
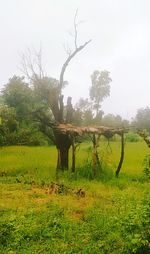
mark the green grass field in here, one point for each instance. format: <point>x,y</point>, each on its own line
<point>113,217</point>
<point>20,159</point>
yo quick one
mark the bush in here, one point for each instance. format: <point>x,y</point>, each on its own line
<point>132,137</point>
<point>30,137</point>
<point>124,230</point>
<point>136,229</point>
<point>103,171</point>
<point>23,136</point>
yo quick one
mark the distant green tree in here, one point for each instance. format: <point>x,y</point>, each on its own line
<point>8,125</point>
<point>22,101</point>
<point>17,94</point>
<point>83,114</point>
<point>109,120</point>
<point>142,119</point>
<point>114,121</point>
<point>100,88</point>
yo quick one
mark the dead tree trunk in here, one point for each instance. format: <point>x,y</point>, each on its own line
<point>122,155</point>
<point>63,143</point>
<point>64,158</point>
<point>55,98</point>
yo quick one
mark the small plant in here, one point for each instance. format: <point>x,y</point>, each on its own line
<point>137,229</point>
<point>146,163</point>
<point>103,171</point>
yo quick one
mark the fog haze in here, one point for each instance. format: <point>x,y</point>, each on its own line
<point>120,36</point>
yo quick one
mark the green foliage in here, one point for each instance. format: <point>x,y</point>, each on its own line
<point>98,231</point>
<point>11,134</point>
<point>83,113</point>
<point>111,120</point>
<point>22,234</point>
<point>103,171</point>
<point>132,137</point>
<point>142,119</point>
<point>136,228</point>
<point>30,137</point>
<point>17,94</point>
<point>8,126</point>
<point>46,91</point>
<point>100,88</point>
<point>22,118</point>
<point>44,158</point>
<point>27,107</point>
<point>87,111</point>
<point>113,217</point>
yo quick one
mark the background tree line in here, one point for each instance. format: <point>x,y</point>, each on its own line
<point>21,103</point>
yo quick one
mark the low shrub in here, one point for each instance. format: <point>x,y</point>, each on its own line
<point>132,137</point>
<point>103,171</point>
<point>146,164</point>
<point>136,229</point>
<point>124,230</point>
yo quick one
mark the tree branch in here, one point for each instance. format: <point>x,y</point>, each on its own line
<point>145,135</point>
<point>75,29</point>
<point>77,50</point>
<point>31,62</point>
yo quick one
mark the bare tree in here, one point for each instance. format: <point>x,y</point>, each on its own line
<point>32,68</point>
<point>31,64</point>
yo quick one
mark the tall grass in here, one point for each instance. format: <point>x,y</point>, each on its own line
<point>112,217</point>
<point>41,161</point>
<point>35,162</point>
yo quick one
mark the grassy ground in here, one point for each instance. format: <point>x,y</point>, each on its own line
<point>113,217</point>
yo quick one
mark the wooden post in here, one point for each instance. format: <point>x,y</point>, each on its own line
<point>122,155</point>
<point>73,154</point>
<point>96,161</point>
<point>94,155</point>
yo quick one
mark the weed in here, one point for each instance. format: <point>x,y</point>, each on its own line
<point>146,164</point>
<point>113,216</point>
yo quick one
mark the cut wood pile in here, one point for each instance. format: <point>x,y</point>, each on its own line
<point>56,188</point>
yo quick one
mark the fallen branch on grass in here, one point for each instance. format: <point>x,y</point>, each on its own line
<point>56,188</point>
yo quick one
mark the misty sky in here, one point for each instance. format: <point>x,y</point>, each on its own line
<point>120,33</point>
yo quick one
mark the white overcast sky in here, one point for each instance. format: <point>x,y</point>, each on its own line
<point>120,33</point>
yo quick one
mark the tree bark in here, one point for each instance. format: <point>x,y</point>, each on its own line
<point>77,49</point>
<point>63,143</point>
<point>64,158</point>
